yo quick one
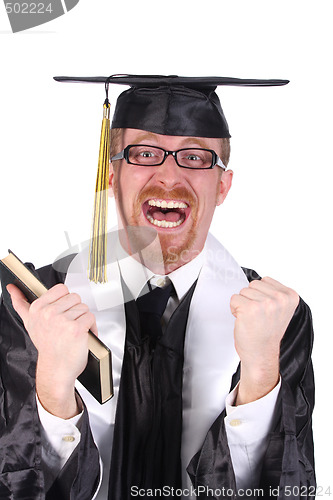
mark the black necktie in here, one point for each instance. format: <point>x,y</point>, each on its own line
<point>151,308</point>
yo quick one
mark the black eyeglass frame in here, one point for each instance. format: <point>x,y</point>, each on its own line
<point>124,155</point>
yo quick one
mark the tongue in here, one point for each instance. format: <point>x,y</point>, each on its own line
<point>172,216</point>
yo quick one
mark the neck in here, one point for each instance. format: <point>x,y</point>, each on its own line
<point>167,267</point>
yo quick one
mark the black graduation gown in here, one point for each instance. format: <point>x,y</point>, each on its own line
<point>288,462</point>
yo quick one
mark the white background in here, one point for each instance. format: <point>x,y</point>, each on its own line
<point>277,218</point>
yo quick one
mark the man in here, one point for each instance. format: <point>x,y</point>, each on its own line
<point>172,419</point>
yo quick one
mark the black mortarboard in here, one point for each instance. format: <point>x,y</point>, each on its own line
<point>168,105</point>
<point>171,105</point>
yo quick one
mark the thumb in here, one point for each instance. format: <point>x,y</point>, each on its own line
<point>234,305</point>
<point>19,301</point>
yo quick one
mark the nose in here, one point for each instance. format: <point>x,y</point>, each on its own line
<point>169,174</point>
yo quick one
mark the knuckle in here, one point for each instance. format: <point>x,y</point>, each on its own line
<point>76,297</point>
<point>84,307</point>
<point>62,288</point>
<point>272,304</point>
<point>294,297</point>
<point>73,328</point>
<point>256,284</point>
<point>255,308</point>
<point>48,313</point>
<point>90,317</point>
<point>279,297</point>
<point>287,298</point>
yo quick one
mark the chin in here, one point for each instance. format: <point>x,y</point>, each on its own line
<point>180,249</point>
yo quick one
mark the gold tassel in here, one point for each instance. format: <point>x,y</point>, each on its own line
<point>98,242</point>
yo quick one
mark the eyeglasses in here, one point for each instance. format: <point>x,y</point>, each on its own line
<point>151,156</point>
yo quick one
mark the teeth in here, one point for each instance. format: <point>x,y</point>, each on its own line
<point>167,204</point>
<point>163,223</point>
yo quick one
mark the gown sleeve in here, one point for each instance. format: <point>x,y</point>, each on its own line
<point>287,470</point>
<point>21,471</point>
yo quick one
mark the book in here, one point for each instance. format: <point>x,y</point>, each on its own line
<point>97,376</point>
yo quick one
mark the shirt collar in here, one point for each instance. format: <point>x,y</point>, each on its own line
<point>136,274</point>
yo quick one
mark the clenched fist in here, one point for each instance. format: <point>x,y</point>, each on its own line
<point>263,311</point>
<point>58,325</point>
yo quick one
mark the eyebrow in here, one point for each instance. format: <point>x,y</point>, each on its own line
<point>195,140</point>
<point>186,140</point>
<point>143,137</point>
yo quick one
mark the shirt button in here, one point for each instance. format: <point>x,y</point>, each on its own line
<point>68,439</point>
<point>160,282</point>
<point>235,422</point>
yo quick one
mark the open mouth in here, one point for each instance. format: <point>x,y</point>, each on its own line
<point>166,213</point>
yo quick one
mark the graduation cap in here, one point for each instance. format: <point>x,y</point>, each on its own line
<point>168,105</point>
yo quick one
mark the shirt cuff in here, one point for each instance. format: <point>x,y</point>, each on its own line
<point>250,422</point>
<point>62,435</point>
<point>247,428</point>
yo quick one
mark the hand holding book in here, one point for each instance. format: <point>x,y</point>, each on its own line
<point>58,325</point>
<point>61,328</point>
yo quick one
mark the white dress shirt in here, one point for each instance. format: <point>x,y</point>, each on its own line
<point>247,426</point>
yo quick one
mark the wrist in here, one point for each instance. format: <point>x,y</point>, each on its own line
<point>256,383</point>
<point>60,404</point>
<point>57,396</point>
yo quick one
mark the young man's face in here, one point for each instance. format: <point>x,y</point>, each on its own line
<point>178,203</point>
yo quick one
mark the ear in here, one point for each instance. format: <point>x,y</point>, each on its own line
<point>224,186</point>
<point>111,179</point>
